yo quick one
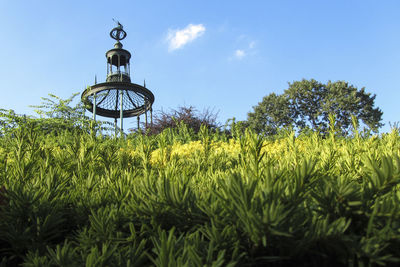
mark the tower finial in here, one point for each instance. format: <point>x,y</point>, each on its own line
<point>95,79</point>
<point>144,83</point>
<point>119,24</point>
<point>118,32</point>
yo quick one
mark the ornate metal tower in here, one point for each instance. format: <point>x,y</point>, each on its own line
<point>118,97</point>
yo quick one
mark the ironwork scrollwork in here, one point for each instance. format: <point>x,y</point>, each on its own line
<point>118,32</point>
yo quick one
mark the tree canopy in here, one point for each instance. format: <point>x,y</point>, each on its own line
<point>307,104</point>
<point>188,115</point>
<point>56,115</point>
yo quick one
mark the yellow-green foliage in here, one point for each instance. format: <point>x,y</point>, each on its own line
<point>179,199</point>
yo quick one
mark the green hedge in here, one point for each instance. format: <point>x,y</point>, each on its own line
<point>75,199</point>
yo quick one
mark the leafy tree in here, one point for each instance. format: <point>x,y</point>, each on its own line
<point>9,120</point>
<point>270,115</point>
<point>56,115</point>
<point>307,104</point>
<point>188,115</point>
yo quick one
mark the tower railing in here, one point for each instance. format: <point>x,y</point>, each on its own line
<point>118,72</point>
<point>118,76</point>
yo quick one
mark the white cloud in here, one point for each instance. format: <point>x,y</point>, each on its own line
<point>178,38</point>
<point>249,51</point>
<point>240,54</point>
<point>252,44</point>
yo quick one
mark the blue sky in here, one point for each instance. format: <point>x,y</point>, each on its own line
<point>222,55</point>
